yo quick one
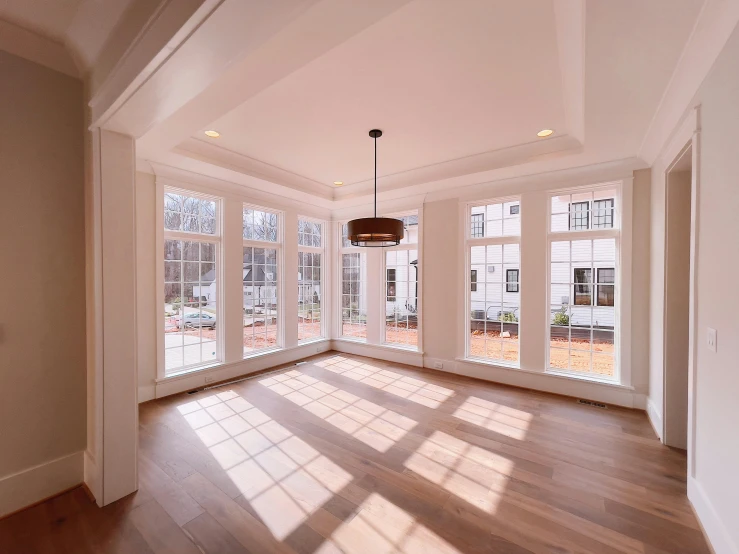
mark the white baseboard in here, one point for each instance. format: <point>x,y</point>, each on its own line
<point>242,368</point>
<point>147,392</point>
<point>379,352</point>
<point>602,392</point>
<point>655,418</point>
<point>37,483</point>
<point>717,533</point>
<point>92,477</point>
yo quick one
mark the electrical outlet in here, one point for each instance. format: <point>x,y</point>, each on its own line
<point>319,349</point>
<point>209,378</point>
<point>438,365</point>
<point>711,339</point>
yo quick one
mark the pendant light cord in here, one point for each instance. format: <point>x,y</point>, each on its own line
<point>375,176</point>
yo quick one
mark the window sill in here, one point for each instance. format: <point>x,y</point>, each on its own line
<point>190,371</point>
<point>383,346</point>
<point>549,373</point>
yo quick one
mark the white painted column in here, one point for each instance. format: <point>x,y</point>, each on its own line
<point>375,295</point>
<point>111,462</point>
<point>534,311</point>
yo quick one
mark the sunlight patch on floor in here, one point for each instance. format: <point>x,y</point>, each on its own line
<point>284,479</point>
<point>467,471</point>
<point>381,527</point>
<point>495,417</point>
<point>415,390</point>
<point>366,421</point>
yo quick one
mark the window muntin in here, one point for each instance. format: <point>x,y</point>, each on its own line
<point>310,279</point>
<point>606,288</point>
<point>390,275</point>
<point>494,284</point>
<point>583,211</point>
<point>261,280</point>
<point>191,277</point>
<point>582,332</point>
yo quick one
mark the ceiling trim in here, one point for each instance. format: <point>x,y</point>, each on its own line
<point>715,24</point>
<point>569,17</point>
<point>36,48</point>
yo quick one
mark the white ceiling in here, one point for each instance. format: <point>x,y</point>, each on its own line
<point>443,80</point>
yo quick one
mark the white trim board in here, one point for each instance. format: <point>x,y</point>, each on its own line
<point>378,352</point>
<point>715,530</point>
<point>655,418</point>
<point>615,394</point>
<point>24,488</point>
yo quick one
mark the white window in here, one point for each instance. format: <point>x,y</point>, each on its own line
<point>310,279</point>
<point>353,282</point>
<point>583,283</point>
<point>401,286</point>
<point>262,235</point>
<point>191,280</point>
<point>493,289</point>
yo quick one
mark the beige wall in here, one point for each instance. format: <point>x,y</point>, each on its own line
<point>42,245</point>
<point>146,332</point>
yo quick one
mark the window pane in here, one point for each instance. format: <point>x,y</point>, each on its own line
<point>583,210</point>
<point>190,303</point>
<point>583,318</point>
<point>260,225</point>
<point>309,296</point>
<point>309,233</point>
<point>354,297</point>
<point>401,302</point>
<point>260,302</point>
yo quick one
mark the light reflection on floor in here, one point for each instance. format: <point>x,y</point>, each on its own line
<point>415,390</point>
<point>366,421</point>
<point>495,417</point>
<point>284,479</point>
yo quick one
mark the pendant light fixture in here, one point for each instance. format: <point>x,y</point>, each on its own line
<point>375,231</point>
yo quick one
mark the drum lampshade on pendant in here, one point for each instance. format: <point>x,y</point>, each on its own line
<point>375,231</point>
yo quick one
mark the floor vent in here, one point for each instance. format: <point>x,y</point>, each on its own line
<point>591,403</point>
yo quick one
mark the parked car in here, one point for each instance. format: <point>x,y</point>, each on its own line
<point>195,319</point>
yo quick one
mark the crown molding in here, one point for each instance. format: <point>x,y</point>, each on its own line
<point>36,48</point>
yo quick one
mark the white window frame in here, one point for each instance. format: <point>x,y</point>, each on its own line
<point>162,235</point>
<point>620,283</point>
<point>404,246</point>
<point>324,267</point>
<point>280,254</point>
<point>341,249</point>
<point>485,241</point>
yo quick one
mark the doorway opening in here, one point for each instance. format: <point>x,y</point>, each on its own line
<point>677,312</point>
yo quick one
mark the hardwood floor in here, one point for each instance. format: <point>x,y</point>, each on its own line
<point>350,454</point>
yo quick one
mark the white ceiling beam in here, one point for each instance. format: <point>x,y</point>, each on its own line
<point>569,16</point>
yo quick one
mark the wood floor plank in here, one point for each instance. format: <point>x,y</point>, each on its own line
<point>160,531</point>
<point>211,537</point>
<point>169,494</point>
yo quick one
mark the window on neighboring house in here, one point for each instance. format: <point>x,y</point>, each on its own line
<point>262,243</point>
<point>353,282</point>
<point>477,226</point>
<point>401,286</point>
<point>583,285</point>
<point>606,286</point>
<point>191,280</point>
<point>310,279</point>
<point>512,280</point>
<point>391,285</point>
<point>603,214</point>
<point>494,302</point>
<point>579,216</point>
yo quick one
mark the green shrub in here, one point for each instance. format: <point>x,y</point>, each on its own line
<point>561,317</point>
<point>508,317</point>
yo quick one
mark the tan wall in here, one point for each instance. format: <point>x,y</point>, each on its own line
<point>42,245</point>
<point>146,260</point>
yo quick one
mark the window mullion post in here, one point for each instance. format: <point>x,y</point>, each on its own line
<point>232,297</point>
<point>534,322</point>
<point>375,294</point>
<point>288,278</point>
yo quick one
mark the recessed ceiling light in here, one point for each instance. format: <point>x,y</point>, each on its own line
<point>212,134</point>
<point>338,183</point>
<point>544,133</point>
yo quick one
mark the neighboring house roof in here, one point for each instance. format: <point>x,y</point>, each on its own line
<point>252,274</point>
<point>208,277</point>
